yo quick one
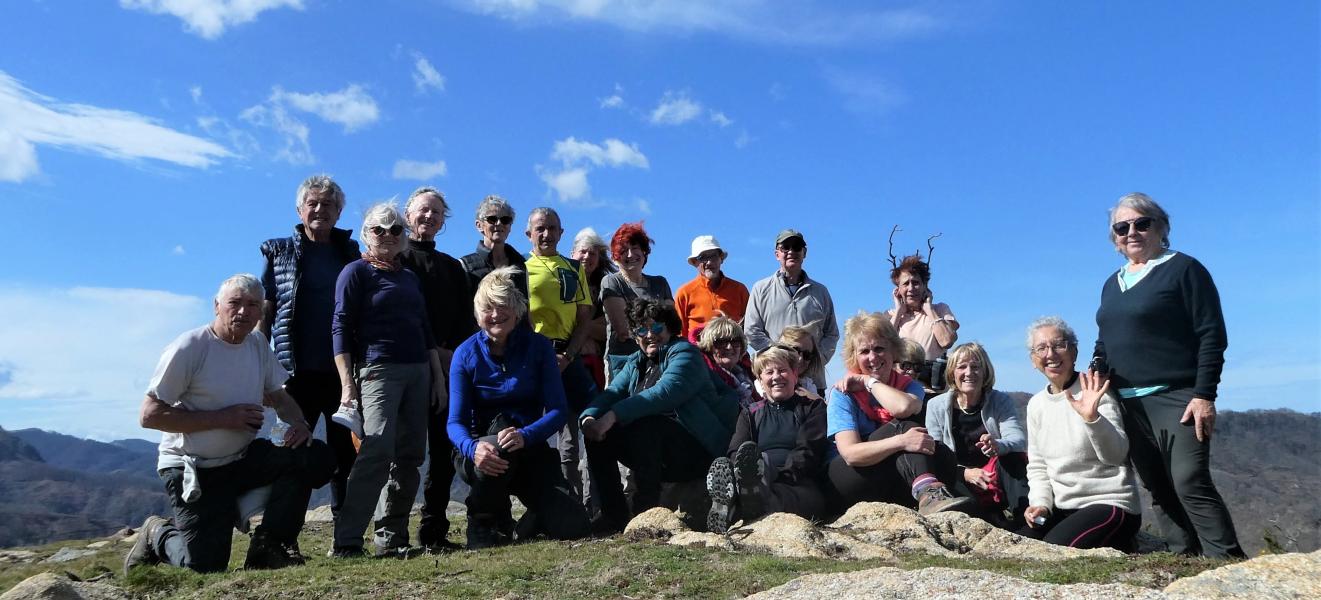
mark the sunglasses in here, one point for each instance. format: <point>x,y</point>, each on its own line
<point>708,256</point>
<point>394,230</point>
<point>793,246</point>
<point>1142,224</point>
<point>909,366</point>
<point>653,329</point>
<point>728,345</point>
<point>503,220</point>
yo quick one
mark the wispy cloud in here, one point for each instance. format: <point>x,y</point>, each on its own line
<point>425,76</point>
<point>615,100</point>
<point>28,119</point>
<point>720,119</point>
<point>675,108</point>
<point>743,139</point>
<point>577,158</point>
<point>419,170</point>
<point>813,22</point>
<point>210,18</point>
<point>83,357</point>
<point>352,107</point>
<point>864,94</point>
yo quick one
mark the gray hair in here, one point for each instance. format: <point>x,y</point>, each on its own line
<point>1055,322</point>
<point>385,214</point>
<point>246,283</point>
<point>588,238</point>
<point>1146,207</point>
<point>320,183</point>
<point>498,288</point>
<point>542,211</point>
<point>422,191</point>
<point>493,204</point>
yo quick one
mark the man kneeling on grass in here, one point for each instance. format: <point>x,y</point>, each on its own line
<point>206,397</point>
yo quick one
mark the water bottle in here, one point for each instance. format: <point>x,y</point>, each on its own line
<point>278,430</point>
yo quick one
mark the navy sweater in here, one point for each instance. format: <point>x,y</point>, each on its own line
<point>1166,330</point>
<point>380,316</point>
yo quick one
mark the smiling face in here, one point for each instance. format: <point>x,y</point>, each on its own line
<point>632,259</point>
<point>873,356</point>
<point>727,353</point>
<point>494,227</point>
<point>912,289</point>
<point>1053,355</point>
<point>791,253</point>
<point>236,314</point>
<point>708,263</point>
<point>497,320</point>
<point>651,337</point>
<point>318,212</point>
<point>969,375</point>
<point>384,241</point>
<point>1138,246</point>
<point>426,217</point>
<point>778,380</point>
<point>544,231</point>
<point>589,256</point>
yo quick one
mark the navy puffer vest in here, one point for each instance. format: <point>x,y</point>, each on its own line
<point>283,254</point>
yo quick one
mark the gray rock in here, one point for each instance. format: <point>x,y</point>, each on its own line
<point>49,586</point>
<point>68,554</point>
<point>18,556</point>
<point>941,583</point>
<point>1270,577</point>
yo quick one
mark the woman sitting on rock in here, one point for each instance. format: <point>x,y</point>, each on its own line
<point>1083,493</point>
<point>799,339</point>
<point>877,454</point>
<point>661,416</point>
<point>775,456</point>
<point>506,399</point>
<point>726,350</point>
<point>980,425</point>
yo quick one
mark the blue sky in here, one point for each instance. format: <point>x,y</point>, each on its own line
<point>148,147</point>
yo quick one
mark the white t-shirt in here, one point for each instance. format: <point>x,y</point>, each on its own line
<point>199,371</point>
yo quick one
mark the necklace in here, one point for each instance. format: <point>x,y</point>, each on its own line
<point>967,411</point>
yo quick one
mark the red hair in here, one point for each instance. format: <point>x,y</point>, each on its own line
<point>629,233</point>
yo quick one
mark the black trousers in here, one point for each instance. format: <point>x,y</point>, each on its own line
<point>890,480</point>
<point>199,538</point>
<point>1095,526</point>
<point>435,526</point>
<point>804,498</point>
<point>534,477</point>
<point>1176,470</point>
<point>318,394</point>
<point>658,449</point>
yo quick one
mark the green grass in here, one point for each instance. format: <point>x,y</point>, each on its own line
<point>598,568</point>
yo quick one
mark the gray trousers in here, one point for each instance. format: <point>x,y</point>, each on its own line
<point>394,400</point>
<point>1176,469</point>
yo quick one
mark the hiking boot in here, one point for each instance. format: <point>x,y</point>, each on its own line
<point>346,552</point>
<point>442,546</point>
<point>753,494</point>
<point>486,535</point>
<point>143,551</point>
<point>266,553</point>
<point>720,486</point>
<point>936,499</point>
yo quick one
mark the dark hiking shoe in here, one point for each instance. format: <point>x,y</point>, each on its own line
<point>753,495</point>
<point>347,552</point>
<point>486,535</point>
<point>442,546</point>
<point>720,486</point>
<point>143,551</point>
<point>938,499</point>
<point>399,552</point>
<point>266,553</point>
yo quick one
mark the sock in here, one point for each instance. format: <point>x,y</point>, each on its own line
<point>922,482</point>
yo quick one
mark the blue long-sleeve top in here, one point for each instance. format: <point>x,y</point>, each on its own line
<point>380,316</point>
<point>524,385</point>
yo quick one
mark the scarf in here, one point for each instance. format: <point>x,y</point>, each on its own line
<point>872,409</point>
<point>392,266</point>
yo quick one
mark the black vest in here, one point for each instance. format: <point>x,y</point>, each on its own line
<point>284,254</point>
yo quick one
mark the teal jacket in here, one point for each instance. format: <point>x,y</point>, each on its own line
<point>686,388</point>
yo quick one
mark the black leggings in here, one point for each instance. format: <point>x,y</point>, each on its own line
<point>1095,526</point>
<point>658,449</point>
<point>891,479</point>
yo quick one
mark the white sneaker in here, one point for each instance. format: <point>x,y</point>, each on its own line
<point>348,416</point>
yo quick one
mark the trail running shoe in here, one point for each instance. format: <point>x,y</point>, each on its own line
<point>720,486</point>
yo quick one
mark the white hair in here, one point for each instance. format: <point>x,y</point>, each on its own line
<point>320,183</point>
<point>1055,322</point>
<point>494,205</point>
<point>422,191</point>
<point>1147,207</point>
<point>246,283</point>
<point>543,211</point>
<point>385,214</point>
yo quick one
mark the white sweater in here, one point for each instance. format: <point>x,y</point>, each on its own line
<point>1073,464</point>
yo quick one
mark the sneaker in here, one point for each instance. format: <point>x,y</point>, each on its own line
<point>143,552</point>
<point>266,553</point>
<point>346,552</point>
<point>348,417</point>
<point>399,552</point>
<point>720,486</point>
<point>938,499</point>
<point>753,495</point>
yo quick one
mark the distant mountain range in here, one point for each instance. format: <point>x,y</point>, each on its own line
<point>54,486</point>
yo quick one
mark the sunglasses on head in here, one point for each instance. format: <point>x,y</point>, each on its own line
<point>1142,224</point>
<point>501,219</point>
<point>394,230</point>
<point>654,329</point>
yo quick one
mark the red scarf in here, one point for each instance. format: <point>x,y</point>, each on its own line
<point>873,409</point>
<point>393,265</point>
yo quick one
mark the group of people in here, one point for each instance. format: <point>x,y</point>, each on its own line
<point>478,362</point>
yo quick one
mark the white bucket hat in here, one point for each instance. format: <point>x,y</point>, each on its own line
<point>701,244</point>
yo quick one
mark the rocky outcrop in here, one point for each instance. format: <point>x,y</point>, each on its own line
<point>869,530</point>
<point>1271,577</point>
<point>941,582</point>
<point>49,586</point>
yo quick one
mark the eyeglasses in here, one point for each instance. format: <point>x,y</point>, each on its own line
<point>1057,345</point>
<point>653,329</point>
<point>395,230</point>
<point>793,246</point>
<point>708,256</point>
<point>501,219</point>
<point>1142,224</point>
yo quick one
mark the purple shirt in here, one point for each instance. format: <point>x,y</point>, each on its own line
<point>380,316</point>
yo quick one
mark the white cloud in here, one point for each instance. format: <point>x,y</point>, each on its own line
<point>675,108</point>
<point>425,76</point>
<point>419,170</point>
<point>210,18</point>
<point>765,21</point>
<point>293,132</point>
<point>351,107</point>
<point>743,139</point>
<point>178,250</point>
<point>643,205</point>
<point>28,119</point>
<point>577,158</point>
<point>720,119</point>
<point>82,357</point>
<point>864,94</point>
<point>615,100</point>
<point>196,93</point>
